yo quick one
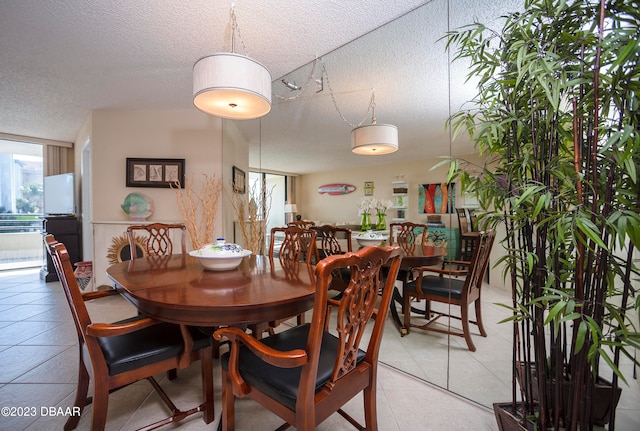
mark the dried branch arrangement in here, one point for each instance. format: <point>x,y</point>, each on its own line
<point>254,227</point>
<point>198,208</point>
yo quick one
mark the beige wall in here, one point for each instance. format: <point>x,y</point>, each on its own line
<point>344,208</point>
<point>117,134</point>
<point>184,134</point>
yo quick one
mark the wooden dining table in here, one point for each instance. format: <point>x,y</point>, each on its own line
<point>178,289</point>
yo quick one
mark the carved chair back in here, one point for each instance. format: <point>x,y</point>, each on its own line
<point>297,244</point>
<point>159,241</point>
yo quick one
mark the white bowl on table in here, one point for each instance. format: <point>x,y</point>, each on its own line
<point>371,238</point>
<point>220,256</point>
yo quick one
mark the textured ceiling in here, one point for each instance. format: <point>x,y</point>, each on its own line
<point>61,59</point>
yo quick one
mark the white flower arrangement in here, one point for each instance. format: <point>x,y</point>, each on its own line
<point>383,205</point>
<point>370,204</point>
<point>367,205</point>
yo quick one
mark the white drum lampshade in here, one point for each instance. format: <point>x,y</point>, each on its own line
<point>231,86</point>
<point>374,139</point>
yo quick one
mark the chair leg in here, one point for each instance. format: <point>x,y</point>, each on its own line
<point>206,363</point>
<point>464,312</point>
<point>406,309</point>
<point>172,374</point>
<point>228,407</point>
<point>479,318</point>
<point>81,397</point>
<point>370,406</point>
<point>100,405</point>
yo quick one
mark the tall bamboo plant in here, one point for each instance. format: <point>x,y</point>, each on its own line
<point>557,115</point>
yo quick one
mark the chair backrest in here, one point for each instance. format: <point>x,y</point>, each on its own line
<point>329,237</point>
<point>407,235</point>
<point>479,261</point>
<point>159,241</point>
<point>298,244</point>
<point>302,224</point>
<point>81,318</point>
<point>358,304</point>
<point>473,220</point>
<point>464,220</point>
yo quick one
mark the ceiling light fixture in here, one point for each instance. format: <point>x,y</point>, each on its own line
<point>230,85</point>
<point>374,139</point>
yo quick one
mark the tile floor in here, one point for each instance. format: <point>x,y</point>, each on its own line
<point>38,367</point>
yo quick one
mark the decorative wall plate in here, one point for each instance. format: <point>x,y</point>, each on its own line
<point>137,206</point>
<point>336,189</point>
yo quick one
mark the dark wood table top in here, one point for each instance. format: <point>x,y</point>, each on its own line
<point>421,255</point>
<point>178,289</point>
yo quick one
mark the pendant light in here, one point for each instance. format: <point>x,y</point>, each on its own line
<point>374,139</point>
<point>230,85</point>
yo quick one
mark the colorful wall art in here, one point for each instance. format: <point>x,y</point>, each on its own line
<point>436,198</point>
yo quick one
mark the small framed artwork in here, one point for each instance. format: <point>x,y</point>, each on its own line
<point>161,173</point>
<point>239,181</point>
<point>368,188</point>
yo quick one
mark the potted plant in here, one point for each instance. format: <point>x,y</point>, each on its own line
<point>557,116</point>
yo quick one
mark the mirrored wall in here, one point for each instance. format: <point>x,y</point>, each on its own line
<point>416,88</point>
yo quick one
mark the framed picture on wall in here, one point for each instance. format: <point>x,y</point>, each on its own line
<point>368,188</point>
<point>162,173</point>
<point>239,180</point>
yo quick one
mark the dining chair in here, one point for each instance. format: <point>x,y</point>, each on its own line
<point>329,237</point>
<point>115,355</point>
<point>468,232</point>
<point>451,290</point>
<point>159,242</point>
<point>297,244</point>
<point>308,372</point>
<point>408,236</point>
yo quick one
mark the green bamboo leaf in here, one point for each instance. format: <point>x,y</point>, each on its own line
<point>590,230</point>
<point>605,355</point>
<point>583,329</point>
<point>542,200</point>
<point>554,312</point>
<point>571,316</point>
<point>622,55</point>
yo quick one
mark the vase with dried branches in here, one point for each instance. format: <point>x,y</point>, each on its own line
<point>251,217</point>
<point>198,208</point>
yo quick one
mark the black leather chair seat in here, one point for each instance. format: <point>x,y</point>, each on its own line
<point>440,286</point>
<point>343,274</point>
<point>282,383</point>
<point>146,346</point>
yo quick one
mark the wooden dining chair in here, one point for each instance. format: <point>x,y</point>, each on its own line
<point>159,242</point>
<point>445,288</point>
<point>408,236</point>
<point>468,232</point>
<point>115,355</point>
<point>297,244</point>
<point>329,237</point>
<point>308,372</point>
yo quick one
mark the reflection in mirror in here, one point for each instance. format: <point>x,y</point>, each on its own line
<point>416,89</point>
